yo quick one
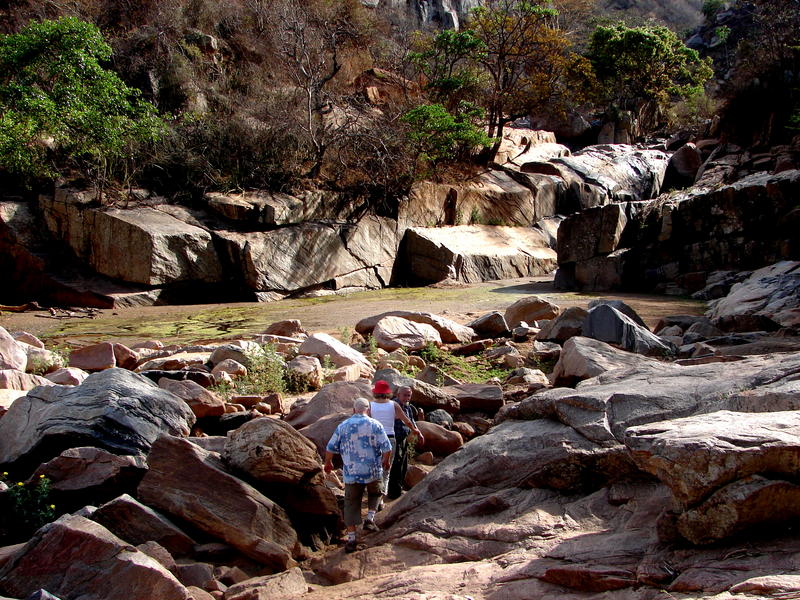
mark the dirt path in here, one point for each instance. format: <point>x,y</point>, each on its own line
<point>332,314</point>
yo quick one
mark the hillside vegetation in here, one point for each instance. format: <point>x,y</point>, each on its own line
<point>288,93</point>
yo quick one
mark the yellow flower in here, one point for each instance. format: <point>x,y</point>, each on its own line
<point>20,483</point>
<point>41,476</point>
<point>5,473</point>
<point>52,506</point>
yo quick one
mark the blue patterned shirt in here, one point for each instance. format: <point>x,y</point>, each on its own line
<point>362,442</point>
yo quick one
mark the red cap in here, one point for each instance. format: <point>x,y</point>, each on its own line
<point>381,387</point>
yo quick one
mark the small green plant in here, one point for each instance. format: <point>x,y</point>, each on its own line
<point>295,382</point>
<point>25,508</point>
<point>327,363</point>
<point>475,217</point>
<point>475,369</point>
<point>372,349</point>
<point>346,334</point>
<point>265,372</point>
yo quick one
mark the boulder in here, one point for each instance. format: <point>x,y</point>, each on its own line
<point>241,351</point>
<point>683,167</point>
<point>438,440</point>
<point>604,407</point>
<point>233,368</point>
<point>283,586</point>
<point>477,397</point>
<point>175,362</point>
<point>308,369</point>
<point>566,325</point>
<point>94,357</point>
<point>392,333</point>
<point>744,504</point>
<point>583,358</point>
<point>114,409</point>
<point>341,355</point>
<point>41,360</point>
<point>12,353</point>
<point>530,309</point>
<point>168,250</point>
<point>67,376</point>
<point>271,451</point>
<point>190,483</point>
<point>768,299</point>
<point>78,558</point>
<point>490,325</point>
<point>474,253</point>
<point>28,338</point>
<point>91,474</point>
<point>129,519</point>
<point>622,307</point>
<point>606,324</point>
<point>320,431</point>
<point>433,375</point>
<point>449,331</point>
<point>291,328</point>
<point>697,455</point>
<point>203,402</point>
<point>11,379</point>
<point>334,398</point>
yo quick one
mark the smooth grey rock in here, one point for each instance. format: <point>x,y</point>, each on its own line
<point>450,331</point>
<point>607,324</point>
<point>490,325</point>
<point>566,325</point>
<point>114,409</point>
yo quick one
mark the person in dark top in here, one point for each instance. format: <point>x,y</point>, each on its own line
<point>400,462</point>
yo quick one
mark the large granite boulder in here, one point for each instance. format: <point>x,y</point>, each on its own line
<point>566,325</point>
<point>334,398</point>
<point>168,250</point>
<point>189,483</point>
<point>323,345</point>
<point>450,331</point>
<point>604,407</point>
<point>392,333</point>
<point>136,523</point>
<point>530,309</point>
<point>473,253</point>
<point>583,358</point>
<point>423,395</point>
<point>114,409</point>
<point>74,557</point>
<point>282,586</point>
<point>607,324</point>
<point>695,456</point>
<point>768,299</point>
<point>12,354</point>
<point>285,260</point>
<point>272,451</point>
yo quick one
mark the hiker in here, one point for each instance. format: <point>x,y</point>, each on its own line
<point>366,454</point>
<point>385,410</point>
<point>397,474</point>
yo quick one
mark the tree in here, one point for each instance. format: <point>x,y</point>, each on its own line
<point>527,58</point>
<point>56,95</point>
<point>438,134</point>
<point>311,40</point>
<point>642,68</point>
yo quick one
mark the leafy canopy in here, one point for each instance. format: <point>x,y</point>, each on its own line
<point>54,92</point>
<point>439,134</point>
<point>637,65</point>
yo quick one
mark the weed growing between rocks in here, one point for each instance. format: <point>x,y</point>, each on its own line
<point>468,369</point>
<point>24,508</point>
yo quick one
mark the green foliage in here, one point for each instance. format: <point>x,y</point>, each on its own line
<point>265,372</point>
<point>645,65</point>
<point>25,508</point>
<point>473,369</point>
<point>55,93</point>
<point>439,134</point>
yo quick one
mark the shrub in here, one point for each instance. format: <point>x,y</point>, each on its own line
<point>25,508</point>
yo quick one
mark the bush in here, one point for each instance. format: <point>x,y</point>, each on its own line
<point>24,508</point>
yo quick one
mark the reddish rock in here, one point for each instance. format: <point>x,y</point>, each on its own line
<point>439,440</point>
<point>94,358</point>
<point>28,338</point>
<point>67,376</point>
<point>77,558</point>
<point>282,586</point>
<point>203,402</point>
<point>12,354</point>
<point>231,367</point>
<point>11,379</point>
<point>332,399</point>
<point>188,482</point>
<point>477,397</point>
<point>125,357</point>
<point>287,328</point>
<point>530,309</point>
<point>136,523</point>
<point>590,578</point>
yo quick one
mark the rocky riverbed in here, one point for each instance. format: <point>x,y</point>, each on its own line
<point>571,450</point>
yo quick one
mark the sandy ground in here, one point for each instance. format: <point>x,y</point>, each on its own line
<point>332,314</point>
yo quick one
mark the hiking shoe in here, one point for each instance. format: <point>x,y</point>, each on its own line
<point>369,525</point>
<point>350,546</point>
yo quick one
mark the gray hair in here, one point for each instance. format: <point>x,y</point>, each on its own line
<point>360,404</point>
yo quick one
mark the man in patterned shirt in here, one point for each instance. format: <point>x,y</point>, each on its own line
<point>366,451</point>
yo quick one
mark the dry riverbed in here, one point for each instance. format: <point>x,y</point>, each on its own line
<point>333,314</point>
